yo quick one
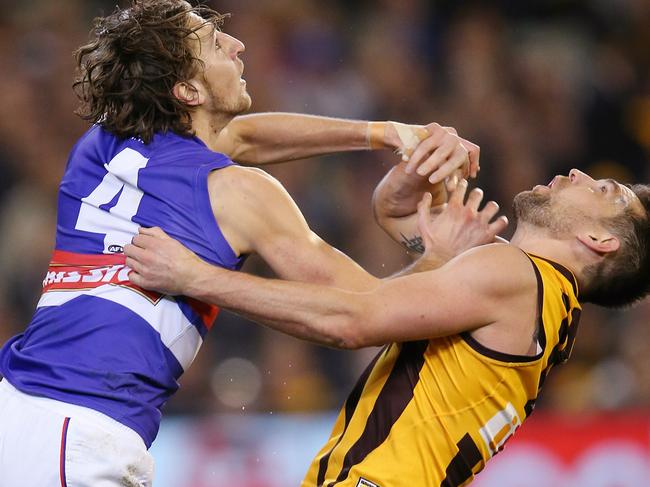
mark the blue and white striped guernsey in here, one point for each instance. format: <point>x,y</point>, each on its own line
<point>96,340</point>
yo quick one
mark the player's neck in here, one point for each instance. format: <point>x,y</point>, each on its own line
<point>208,126</point>
<point>539,242</point>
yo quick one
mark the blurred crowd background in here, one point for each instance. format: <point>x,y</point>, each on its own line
<point>543,86</point>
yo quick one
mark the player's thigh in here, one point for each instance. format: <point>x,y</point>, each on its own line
<point>102,457</point>
<point>30,440</point>
<point>41,448</point>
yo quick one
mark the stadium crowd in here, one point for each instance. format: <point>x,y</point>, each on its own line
<point>542,86</point>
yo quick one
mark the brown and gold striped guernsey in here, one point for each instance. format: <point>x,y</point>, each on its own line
<point>432,413</point>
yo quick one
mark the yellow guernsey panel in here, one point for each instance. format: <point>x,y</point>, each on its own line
<point>432,413</point>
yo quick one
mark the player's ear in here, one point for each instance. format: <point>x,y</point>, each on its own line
<point>188,93</point>
<point>600,241</point>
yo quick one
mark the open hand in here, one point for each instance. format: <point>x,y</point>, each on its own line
<point>460,225</point>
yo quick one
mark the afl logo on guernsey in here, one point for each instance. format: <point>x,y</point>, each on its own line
<point>116,249</point>
<point>366,483</point>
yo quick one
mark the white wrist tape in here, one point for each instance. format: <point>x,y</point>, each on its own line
<point>409,138</point>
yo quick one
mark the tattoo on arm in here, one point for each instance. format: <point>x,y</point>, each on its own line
<point>413,244</point>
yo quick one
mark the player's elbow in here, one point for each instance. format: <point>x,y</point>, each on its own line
<point>353,329</point>
<point>382,206</point>
<point>347,338</point>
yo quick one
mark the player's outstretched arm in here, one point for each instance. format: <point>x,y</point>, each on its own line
<point>266,138</point>
<point>418,306</point>
<point>277,137</point>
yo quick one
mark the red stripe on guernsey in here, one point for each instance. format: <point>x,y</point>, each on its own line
<point>59,257</point>
<point>207,312</point>
<point>69,271</point>
<point>72,272</point>
<point>64,439</point>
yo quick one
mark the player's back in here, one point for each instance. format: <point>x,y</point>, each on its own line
<point>95,340</point>
<point>433,412</point>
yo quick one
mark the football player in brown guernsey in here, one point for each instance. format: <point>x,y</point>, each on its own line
<point>468,339</point>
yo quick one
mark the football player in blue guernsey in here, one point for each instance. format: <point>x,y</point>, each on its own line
<point>83,387</point>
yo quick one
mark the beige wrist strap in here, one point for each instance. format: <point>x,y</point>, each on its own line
<point>375,135</point>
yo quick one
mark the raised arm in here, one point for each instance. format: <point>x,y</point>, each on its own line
<point>266,138</point>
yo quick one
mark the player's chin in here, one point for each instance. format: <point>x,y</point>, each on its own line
<point>245,102</point>
<point>238,106</point>
<point>248,101</point>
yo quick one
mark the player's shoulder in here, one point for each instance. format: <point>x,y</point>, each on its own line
<point>181,150</point>
<point>500,268</point>
<point>242,182</point>
<point>495,252</point>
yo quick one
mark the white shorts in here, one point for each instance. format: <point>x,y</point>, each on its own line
<point>47,443</point>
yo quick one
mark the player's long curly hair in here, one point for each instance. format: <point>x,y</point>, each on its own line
<point>127,72</point>
<point>625,278</point>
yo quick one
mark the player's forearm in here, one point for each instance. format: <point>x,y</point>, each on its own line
<point>395,203</point>
<point>266,138</point>
<point>397,195</point>
<point>319,314</point>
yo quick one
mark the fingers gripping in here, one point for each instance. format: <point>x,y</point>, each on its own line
<point>474,154</point>
<point>134,265</point>
<point>440,155</point>
<point>456,163</point>
<point>138,252</point>
<point>428,144</point>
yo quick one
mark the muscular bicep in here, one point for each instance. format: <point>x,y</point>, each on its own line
<point>257,215</point>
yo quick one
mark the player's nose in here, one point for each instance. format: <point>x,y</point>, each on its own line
<point>235,46</point>
<point>577,176</point>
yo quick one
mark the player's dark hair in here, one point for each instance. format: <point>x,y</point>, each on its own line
<point>623,278</point>
<point>126,74</point>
